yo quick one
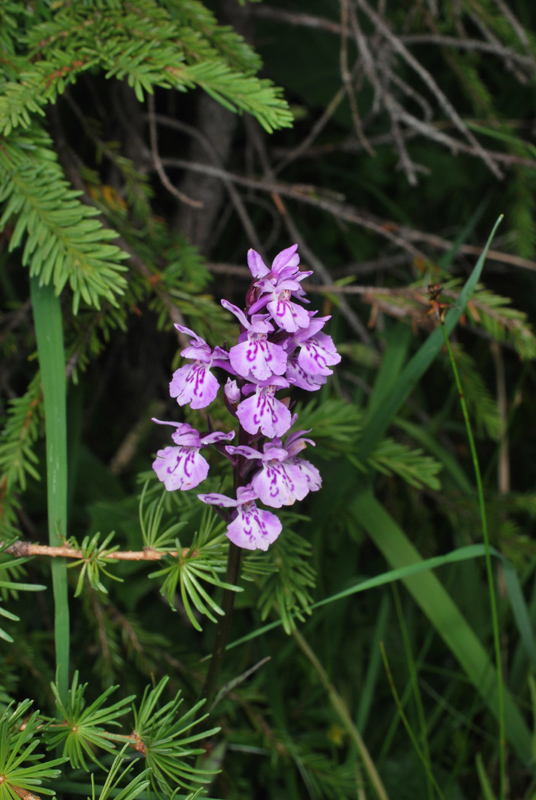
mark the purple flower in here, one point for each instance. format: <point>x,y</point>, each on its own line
<point>194,383</point>
<point>251,528</point>
<point>277,298</point>
<point>283,478</point>
<point>254,357</point>
<point>316,349</point>
<point>232,392</point>
<point>285,263</point>
<point>184,467</point>
<point>263,411</point>
<point>297,376</point>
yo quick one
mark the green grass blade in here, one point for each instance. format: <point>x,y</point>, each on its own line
<point>446,617</point>
<point>49,334</point>
<point>381,418</point>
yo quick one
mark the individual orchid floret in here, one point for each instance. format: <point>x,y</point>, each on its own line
<point>285,264</point>
<point>255,358</point>
<point>286,314</point>
<point>297,376</point>
<point>252,528</point>
<point>263,411</point>
<point>232,392</point>
<point>183,467</point>
<point>283,478</point>
<point>317,352</point>
<point>194,383</point>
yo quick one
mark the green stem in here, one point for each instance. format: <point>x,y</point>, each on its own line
<point>49,335</point>
<point>344,716</point>
<point>405,720</point>
<point>224,625</point>
<point>489,569</point>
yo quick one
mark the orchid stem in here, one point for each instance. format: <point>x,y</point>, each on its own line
<point>224,625</point>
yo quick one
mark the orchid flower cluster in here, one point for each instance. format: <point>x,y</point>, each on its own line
<point>280,345</point>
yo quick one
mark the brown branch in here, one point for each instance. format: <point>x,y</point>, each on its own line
<point>157,161</point>
<point>27,550</point>
<point>211,152</point>
<point>330,26</point>
<point>305,194</point>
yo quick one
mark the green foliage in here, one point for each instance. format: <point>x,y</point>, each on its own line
<point>19,763</point>
<point>142,44</point>
<point>166,741</point>
<point>392,457</point>
<point>65,243</point>
<point>17,458</point>
<point>287,589</point>
<point>79,728</point>
<point>95,556</point>
<point>10,570</point>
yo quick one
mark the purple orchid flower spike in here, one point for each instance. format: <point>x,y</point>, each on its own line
<point>280,345</point>
<point>183,467</point>
<point>263,411</point>
<point>254,357</point>
<point>252,528</point>
<point>194,383</point>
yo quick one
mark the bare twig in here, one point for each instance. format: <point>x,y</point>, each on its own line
<point>158,162</point>
<point>211,152</point>
<point>427,78</point>
<point>27,550</point>
<point>347,77</point>
<point>304,194</point>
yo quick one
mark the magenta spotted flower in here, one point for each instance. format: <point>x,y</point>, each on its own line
<point>263,411</point>
<point>317,353</point>
<point>195,383</point>
<point>251,528</point>
<point>278,299</point>
<point>284,265</point>
<point>183,467</point>
<point>254,357</point>
<point>282,478</point>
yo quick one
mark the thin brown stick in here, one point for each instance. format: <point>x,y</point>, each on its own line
<point>330,26</point>
<point>158,161</point>
<point>236,199</point>
<point>28,550</point>
<point>305,194</point>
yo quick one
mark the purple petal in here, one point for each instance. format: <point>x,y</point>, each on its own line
<point>243,450</point>
<point>180,468</point>
<point>194,384</point>
<point>215,499</point>
<point>311,480</point>
<point>265,412</point>
<point>303,380</point>
<point>239,314</point>
<point>253,528</point>
<point>277,486</point>
<point>286,258</point>
<point>232,392</point>
<point>258,359</point>
<point>287,314</point>
<point>217,436</point>
<point>256,265</point>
